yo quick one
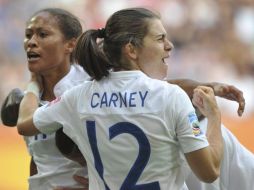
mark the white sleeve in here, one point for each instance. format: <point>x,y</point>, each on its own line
<point>188,131</point>
<point>50,117</point>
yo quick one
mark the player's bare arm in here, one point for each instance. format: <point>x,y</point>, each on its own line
<point>28,105</point>
<point>10,107</point>
<point>222,90</point>
<point>210,157</point>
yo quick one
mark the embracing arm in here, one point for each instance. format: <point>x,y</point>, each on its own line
<point>222,90</point>
<point>186,84</point>
<point>28,105</point>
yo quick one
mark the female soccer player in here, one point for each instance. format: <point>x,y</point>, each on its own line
<point>130,127</point>
<point>50,37</point>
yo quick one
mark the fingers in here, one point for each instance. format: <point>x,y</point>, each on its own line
<point>200,94</point>
<point>204,100</point>
<point>230,92</point>
<point>234,94</point>
<point>241,101</point>
<point>197,100</point>
<point>204,91</point>
<point>241,107</point>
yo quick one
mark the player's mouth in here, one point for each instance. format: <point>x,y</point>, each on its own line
<point>166,57</point>
<point>164,61</point>
<point>32,56</point>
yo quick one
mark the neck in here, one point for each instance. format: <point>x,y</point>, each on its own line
<point>127,65</point>
<point>49,81</point>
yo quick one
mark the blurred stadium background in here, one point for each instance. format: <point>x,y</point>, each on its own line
<point>214,41</point>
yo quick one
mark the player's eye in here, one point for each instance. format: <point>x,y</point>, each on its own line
<point>43,34</point>
<point>28,35</point>
<point>161,37</point>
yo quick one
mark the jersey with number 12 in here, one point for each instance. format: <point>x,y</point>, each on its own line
<point>130,128</point>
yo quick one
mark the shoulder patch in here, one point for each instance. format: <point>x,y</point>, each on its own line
<point>54,101</point>
<point>193,120</point>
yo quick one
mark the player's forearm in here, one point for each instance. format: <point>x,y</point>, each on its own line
<point>205,163</point>
<point>27,108</point>
<point>186,84</point>
<point>215,139</point>
<point>189,85</point>
<point>204,100</point>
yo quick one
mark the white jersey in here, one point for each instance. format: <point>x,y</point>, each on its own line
<point>130,128</point>
<point>53,168</point>
<point>237,167</point>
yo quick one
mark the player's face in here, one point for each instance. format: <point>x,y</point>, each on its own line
<point>44,44</point>
<point>156,48</point>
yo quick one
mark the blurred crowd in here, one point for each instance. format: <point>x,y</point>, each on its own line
<point>213,40</point>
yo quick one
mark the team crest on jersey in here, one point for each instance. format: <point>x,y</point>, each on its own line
<point>194,124</point>
<point>54,101</point>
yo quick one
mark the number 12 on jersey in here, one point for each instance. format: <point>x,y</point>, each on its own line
<point>140,163</point>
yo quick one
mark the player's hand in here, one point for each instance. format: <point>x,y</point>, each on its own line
<point>10,107</point>
<point>204,100</point>
<point>80,179</point>
<point>230,92</point>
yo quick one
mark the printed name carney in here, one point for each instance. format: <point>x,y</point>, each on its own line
<point>119,99</point>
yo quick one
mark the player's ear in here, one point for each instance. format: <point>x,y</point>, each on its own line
<point>69,45</point>
<point>130,51</point>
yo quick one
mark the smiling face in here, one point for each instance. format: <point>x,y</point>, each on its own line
<point>156,47</point>
<point>45,44</point>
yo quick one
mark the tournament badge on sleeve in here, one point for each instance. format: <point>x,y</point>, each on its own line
<point>54,101</point>
<point>193,119</point>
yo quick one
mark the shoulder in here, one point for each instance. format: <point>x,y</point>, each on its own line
<point>78,89</point>
<point>76,75</point>
<point>78,72</point>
